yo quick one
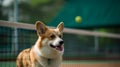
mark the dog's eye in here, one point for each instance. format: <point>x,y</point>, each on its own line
<point>60,36</point>
<point>52,36</point>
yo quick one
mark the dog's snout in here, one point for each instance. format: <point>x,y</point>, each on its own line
<point>61,42</point>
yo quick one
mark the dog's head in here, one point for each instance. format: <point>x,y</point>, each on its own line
<point>51,38</point>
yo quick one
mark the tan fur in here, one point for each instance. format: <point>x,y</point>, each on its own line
<point>41,55</point>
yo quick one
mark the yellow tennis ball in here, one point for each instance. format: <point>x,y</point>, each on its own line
<point>78,19</point>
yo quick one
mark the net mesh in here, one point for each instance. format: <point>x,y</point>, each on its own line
<point>77,46</point>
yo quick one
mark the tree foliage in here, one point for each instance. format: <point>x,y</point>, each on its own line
<point>43,10</point>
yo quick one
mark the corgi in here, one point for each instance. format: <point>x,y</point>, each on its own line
<point>48,49</point>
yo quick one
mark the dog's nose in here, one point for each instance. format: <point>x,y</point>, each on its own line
<point>61,42</point>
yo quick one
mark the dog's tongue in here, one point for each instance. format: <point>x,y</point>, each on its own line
<point>59,48</point>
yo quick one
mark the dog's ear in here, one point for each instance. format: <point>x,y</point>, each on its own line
<point>60,27</point>
<point>40,28</point>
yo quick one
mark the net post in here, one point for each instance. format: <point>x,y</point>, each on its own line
<point>15,31</point>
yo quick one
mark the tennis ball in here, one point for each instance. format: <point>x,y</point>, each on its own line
<point>78,19</point>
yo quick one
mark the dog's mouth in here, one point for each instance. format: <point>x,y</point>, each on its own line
<point>59,47</point>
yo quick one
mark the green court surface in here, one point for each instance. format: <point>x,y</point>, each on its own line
<point>7,64</point>
<point>13,64</point>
